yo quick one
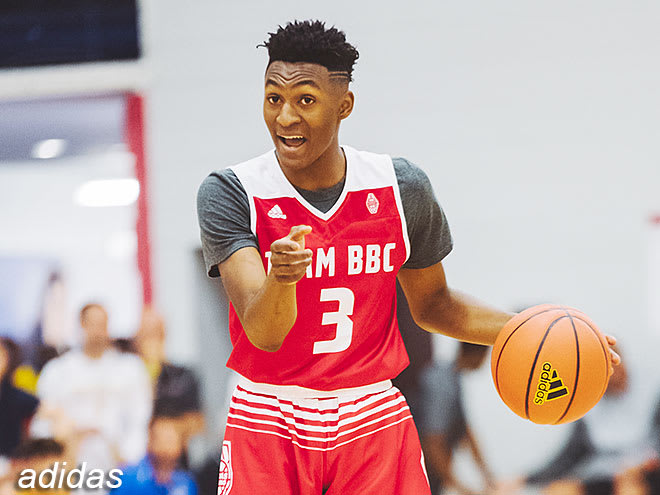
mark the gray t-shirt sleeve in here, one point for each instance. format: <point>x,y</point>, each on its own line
<point>223,211</point>
<point>428,230</point>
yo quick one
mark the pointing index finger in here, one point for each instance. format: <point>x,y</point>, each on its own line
<point>298,232</point>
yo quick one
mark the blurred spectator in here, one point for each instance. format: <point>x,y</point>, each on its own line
<point>419,346</point>
<point>157,472</point>
<point>57,323</point>
<point>16,406</point>
<point>35,454</point>
<point>443,426</point>
<point>175,387</point>
<point>27,376</point>
<point>104,394</point>
<point>433,393</point>
<point>652,468</point>
<point>207,476</point>
<point>610,450</point>
<point>125,345</point>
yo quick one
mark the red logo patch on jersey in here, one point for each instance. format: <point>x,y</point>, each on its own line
<point>372,203</point>
<point>225,474</point>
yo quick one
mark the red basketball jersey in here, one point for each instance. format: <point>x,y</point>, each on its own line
<point>346,333</point>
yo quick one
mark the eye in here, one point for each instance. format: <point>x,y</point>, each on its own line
<point>273,99</point>
<point>307,100</point>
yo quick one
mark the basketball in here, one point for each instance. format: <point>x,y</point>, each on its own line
<point>550,364</point>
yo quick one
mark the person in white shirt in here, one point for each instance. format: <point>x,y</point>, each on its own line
<point>105,395</point>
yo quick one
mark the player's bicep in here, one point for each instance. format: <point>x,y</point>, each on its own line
<point>243,275</point>
<point>223,211</point>
<point>425,289</point>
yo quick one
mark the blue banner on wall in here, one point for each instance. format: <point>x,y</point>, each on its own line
<point>49,32</point>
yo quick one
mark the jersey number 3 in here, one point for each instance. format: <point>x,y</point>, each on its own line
<point>344,335</point>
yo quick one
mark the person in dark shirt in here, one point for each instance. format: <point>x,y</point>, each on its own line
<point>419,346</point>
<point>16,406</point>
<point>443,427</point>
<point>176,388</point>
<point>176,385</point>
<point>158,472</point>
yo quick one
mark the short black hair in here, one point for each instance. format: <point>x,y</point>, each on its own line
<point>38,447</point>
<point>310,41</point>
<point>166,408</point>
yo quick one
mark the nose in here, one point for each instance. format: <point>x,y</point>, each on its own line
<point>287,116</point>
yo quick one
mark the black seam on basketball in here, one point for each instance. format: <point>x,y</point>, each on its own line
<point>577,367</point>
<point>605,351</point>
<point>536,358</point>
<point>497,364</point>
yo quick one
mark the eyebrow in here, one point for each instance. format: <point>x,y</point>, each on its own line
<point>305,82</point>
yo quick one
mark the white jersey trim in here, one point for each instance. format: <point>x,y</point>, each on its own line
<point>296,392</point>
<point>320,415</point>
<point>295,442</point>
<point>319,429</point>
<point>402,216</point>
<point>262,177</point>
<point>317,423</point>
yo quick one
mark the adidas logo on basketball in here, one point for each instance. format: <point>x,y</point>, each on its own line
<point>550,386</point>
<point>276,212</point>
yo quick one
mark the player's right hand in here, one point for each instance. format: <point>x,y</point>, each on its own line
<point>288,257</point>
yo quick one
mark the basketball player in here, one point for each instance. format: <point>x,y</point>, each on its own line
<point>309,239</point>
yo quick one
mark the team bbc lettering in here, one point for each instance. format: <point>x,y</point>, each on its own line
<point>369,259</point>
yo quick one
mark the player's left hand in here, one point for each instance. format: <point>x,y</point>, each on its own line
<point>616,359</point>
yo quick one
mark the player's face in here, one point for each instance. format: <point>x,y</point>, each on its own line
<point>95,325</point>
<point>303,106</point>
<point>165,442</point>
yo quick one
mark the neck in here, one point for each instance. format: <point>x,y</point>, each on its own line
<point>94,351</point>
<point>326,171</point>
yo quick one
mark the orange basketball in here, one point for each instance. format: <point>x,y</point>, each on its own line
<point>550,364</point>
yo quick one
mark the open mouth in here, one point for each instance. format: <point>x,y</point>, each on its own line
<point>292,141</point>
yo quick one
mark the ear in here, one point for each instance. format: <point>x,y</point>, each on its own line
<point>346,105</point>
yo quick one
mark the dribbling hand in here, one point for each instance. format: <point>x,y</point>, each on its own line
<point>616,359</point>
<point>289,259</point>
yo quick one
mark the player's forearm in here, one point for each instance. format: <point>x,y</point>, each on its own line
<point>270,314</point>
<point>463,317</point>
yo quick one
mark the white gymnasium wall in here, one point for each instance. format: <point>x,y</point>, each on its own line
<point>537,123</point>
<point>94,249</point>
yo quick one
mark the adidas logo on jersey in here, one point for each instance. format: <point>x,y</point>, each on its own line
<point>276,212</point>
<point>372,203</point>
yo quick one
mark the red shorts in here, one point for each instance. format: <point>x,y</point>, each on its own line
<point>296,441</point>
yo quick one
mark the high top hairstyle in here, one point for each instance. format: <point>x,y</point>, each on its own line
<point>310,41</point>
